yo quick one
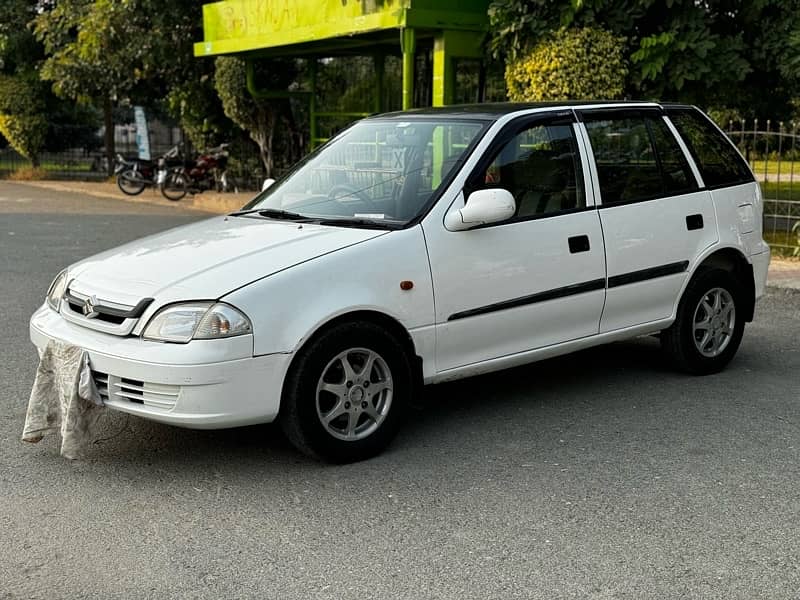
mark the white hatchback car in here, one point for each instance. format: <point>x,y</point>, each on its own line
<point>421,247</point>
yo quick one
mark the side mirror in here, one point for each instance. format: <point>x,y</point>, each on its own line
<point>482,207</point>
<point>267,183</point>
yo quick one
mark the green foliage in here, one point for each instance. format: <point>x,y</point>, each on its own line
<point>715,53</point>
<point>18,47</point>
<point>258,117</point>
<point>22,121</point>
<point>571,64</point>
<point>725,116</point>
<point>96,48</point>
<point>196,105</point>
<point>107,51</point>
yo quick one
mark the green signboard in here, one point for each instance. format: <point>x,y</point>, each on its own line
<point>235,26</point>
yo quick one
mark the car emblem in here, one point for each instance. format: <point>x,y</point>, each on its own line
<point>88,307</point>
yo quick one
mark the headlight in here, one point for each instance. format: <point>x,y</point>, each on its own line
<point>56,291</point>
<point>196,320</point>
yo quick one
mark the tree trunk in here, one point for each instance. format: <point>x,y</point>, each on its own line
<point>35,162</point>
<point>262,135</point>
<point>108,121</point>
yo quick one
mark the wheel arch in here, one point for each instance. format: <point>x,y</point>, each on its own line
<point>734,261</point>
<point>381,319</point>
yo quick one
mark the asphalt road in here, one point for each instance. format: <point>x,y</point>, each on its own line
<point>598,475</point>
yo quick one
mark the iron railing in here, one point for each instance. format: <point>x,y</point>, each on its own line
<point>773,151</point>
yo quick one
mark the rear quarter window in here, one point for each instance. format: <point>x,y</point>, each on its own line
<point>719,163</point>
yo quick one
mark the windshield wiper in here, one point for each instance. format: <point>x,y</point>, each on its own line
<point>356,222</point>
<point>273,213</point>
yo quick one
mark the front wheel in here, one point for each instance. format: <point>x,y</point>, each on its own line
<point>709,326</point>
<point>130,183</point>
<point>346,394</point>
<point>174,186</point>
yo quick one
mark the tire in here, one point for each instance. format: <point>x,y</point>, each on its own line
<point>129,183</point>
<point>710,323</point>
<point>174,187</point>
<point>367,420</point>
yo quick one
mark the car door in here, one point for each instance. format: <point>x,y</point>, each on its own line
<point>656,220</point>
<point>536,279</point>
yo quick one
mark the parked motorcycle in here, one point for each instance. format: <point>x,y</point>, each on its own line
<point>134,175</point>
<point>208,171</point>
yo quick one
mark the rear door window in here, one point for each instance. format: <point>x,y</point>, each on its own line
<point>637,157</point>
<point>717,159</point>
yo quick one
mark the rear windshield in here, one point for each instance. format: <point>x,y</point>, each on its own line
<point>716,157</point>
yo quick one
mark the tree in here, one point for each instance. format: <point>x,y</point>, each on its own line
<point>22,119</point>
<point>196,105</point>
<point>569,64</point>
<point>105,51</point>
<point>258,117</point>
<point>22,97</point>
<point>720,53</point>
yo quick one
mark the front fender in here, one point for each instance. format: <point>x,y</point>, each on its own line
<point>288,307</point>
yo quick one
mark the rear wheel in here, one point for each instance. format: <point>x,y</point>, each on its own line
<point>130,183</point>
<point>174,186</point>
<point>709,325</point>
<point>345,396</point>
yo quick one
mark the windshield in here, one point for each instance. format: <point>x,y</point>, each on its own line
<point>377,171</point>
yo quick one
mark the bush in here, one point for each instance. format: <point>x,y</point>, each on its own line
<point>571,64</point>
<point>22,119</point>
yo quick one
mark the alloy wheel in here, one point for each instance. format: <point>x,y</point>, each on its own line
<point>354,394</point>
<point>714,321</point>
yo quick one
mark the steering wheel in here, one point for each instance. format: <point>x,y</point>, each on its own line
<point>343,190</point>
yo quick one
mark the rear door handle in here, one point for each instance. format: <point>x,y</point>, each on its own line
<point>694,222</point>
<point>579,243</point>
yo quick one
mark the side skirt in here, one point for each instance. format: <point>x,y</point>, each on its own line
<point>521,358</point>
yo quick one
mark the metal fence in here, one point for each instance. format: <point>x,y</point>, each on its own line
<point>77,164</point>
<point>773,151</point>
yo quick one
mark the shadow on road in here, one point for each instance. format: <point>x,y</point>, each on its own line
<point>505,406</point>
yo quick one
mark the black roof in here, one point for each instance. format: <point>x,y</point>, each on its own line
<point>493,110</point>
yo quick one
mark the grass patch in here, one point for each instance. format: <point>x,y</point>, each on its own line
<point>784,244</point>
<point>781,190</point>
<point>48,165</point>
<point>771,166</point>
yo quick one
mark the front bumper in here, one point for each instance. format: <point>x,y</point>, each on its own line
<point>205,384</point>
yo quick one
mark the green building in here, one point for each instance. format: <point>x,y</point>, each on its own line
<point>449,30</point>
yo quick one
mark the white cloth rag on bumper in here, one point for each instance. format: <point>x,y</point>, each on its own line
<point>64,396</point>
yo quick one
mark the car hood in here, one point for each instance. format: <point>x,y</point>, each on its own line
<point>208,259</point>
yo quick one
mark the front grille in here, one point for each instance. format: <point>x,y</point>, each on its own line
<point>103,315</point>
<point>121,389</point>
<point>78,309</point>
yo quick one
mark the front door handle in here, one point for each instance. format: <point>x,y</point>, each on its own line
<point>579,243</point>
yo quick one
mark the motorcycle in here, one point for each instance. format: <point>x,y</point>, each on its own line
<point>208,171</point>
<point>133,176</point>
